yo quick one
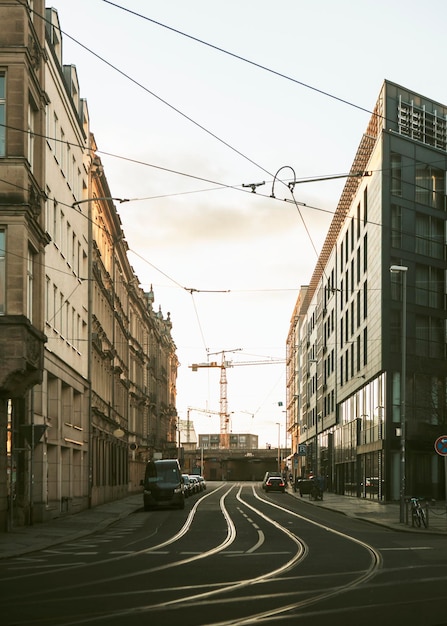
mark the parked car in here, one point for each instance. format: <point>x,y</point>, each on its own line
<point>195,483</point>
<point>274,483</point>
<point>163,485</point>
<point>202,481</point>
<point>187,486</point>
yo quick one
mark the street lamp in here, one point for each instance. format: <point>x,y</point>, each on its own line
<point>279,444</point>
<point>402,269</point>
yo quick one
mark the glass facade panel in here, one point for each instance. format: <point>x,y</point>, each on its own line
<point>429,186</point>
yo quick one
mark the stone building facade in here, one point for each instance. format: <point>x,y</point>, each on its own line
<point>88,368</point>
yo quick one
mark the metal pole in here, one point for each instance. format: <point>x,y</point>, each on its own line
<point>279,449</point>
<point>402,269</point>
<point>445,480</point>
<point>403,395</point>
<point>90,350</point>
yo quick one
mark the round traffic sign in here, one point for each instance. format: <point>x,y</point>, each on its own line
<point>441,445</point>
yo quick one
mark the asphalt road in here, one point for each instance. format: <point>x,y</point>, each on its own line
<point>234,556</point>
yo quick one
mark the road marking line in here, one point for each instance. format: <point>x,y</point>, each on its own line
<point>261,539</point>
<point>405,549</point>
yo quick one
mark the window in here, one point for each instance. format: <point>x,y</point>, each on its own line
<point>62,235</point>
<point>358,266</point>
<point>358,220</point>
<point>31,125</point>
<point>47,298</point>
<point>365,205</point>
<point>430,337</point>
<point>30,284</point>
<point>54,307</point>
<point>73,252</point>
<point>429,186</point>
<point>365,253</point>
<point>396,226</point>
<point>429,286</point>
<point>365,300</point>
<point>2,271</point>
<point>365,346</point>
<point>47,209</point>
<point>429,236</point>
<point>57,144</point>
<point>55,212</point>
<point>396,175</point>
<point>48,118</point>
<point>63,154</point>
<point>2,115</point>
<point>69,167</point>
<point>61,314</point>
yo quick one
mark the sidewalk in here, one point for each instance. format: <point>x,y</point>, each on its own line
<point>22,540</point>
<point>379,513</point>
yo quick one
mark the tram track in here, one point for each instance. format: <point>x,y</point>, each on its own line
<point>218,593</point>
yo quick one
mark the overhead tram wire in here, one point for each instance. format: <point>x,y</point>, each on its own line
<point>219,186</point>
<point>279,74</point>
<point>199,125</point>
<point>260,66</point>
<point>244,60</point>
<point>159,98</point>
<point>147,90</point>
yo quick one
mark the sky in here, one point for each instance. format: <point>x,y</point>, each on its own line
<point>191,102</point>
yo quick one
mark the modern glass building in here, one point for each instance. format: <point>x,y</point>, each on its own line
<point>366,349</point>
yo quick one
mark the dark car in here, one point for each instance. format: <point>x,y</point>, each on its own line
<point>163,485</point>
<point>270,475</point>
<point>274,483</point>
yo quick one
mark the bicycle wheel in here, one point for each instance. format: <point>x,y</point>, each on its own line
<point>418,518</point>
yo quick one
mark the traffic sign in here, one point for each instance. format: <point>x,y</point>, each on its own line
<point>441,445</point>
<point>302,449</point>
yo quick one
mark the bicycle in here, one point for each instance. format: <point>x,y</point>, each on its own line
<point>418,515</point>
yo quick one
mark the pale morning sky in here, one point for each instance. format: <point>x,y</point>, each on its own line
<point>202,123</point>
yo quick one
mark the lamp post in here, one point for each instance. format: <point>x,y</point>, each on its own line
<point>402,269</point>
<point>279,444</point>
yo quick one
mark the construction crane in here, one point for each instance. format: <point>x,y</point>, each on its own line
<point>224,416</point>
<point>223,365</point>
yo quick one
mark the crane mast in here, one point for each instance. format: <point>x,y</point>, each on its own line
<point>224,415</point>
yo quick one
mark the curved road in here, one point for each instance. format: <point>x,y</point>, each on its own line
<point>234,556</point>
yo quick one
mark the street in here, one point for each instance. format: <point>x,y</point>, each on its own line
<point>234,555</point>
